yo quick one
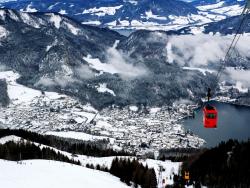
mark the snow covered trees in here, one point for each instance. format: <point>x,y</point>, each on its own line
<point>133,171</point>
<point>226,165</point>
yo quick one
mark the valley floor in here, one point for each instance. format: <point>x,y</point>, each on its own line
<point>61,115</point>
<point>130,128</point>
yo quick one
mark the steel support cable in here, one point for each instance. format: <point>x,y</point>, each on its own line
<point>229,51</point>
<point>236,42</point>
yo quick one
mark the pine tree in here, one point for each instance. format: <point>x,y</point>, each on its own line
<point>153,179</point>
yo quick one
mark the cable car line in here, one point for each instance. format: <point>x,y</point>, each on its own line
<point>210,113</point>
<point>232,46</point>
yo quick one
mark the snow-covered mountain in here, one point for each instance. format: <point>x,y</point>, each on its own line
<point>217,3</point>
<point>146,14</point>
<point>93,64</point>
<point>99,66</point>
<point>226,26</point>
<point>130,81</point>
<point>226,7</point>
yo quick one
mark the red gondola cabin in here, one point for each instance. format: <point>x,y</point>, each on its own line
<point>210,116</point>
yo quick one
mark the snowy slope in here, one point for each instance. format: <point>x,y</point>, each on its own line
<point>10,138</point>
<point>223,8</point>
<point>168,166</point>
<point>147,14</point>
<point>53,174</point>
<point>77,135</point>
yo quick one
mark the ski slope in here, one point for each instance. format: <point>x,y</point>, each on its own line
<point>169,167</point>
<point>43,173</point>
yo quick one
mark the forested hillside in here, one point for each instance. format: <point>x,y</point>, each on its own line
<point>97,149</point>
<point>24,151</point>
<point>227,165</point>
<point>20,145</point>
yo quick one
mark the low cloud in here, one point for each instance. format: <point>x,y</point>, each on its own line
<point>157,36</point>
<point>84,72</point>
<point>201,50</point>
<point>3,68</point>
<point>61,81</point>
<point>120,63</point>
<point>183,101</point>
<point>47,82</point>
<point>237,75</point>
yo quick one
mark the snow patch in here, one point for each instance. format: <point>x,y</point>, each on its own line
<point>102,11</point>
<point>10,138</point>
<point>154,110</point>
<point>94,22</point>
<point>63,12</point>
<point>133,108</point>
<point>2,14</point>
<point>52,6</point>
<point>30,9</point>
<point>212,6</point>
<point>96,64</point>
<point>50,46</point>
<point>102,88</point>
<point>202,70</point>
<point>56,20</point>
<point>88,115</point>
<point>72,28</point>
<point>28,20</point>
<point>220,9</point>
<point>233,10</point>
<point>77,135</point>
<point>3,32</point>
<point>149,15</point>
<point>18,93</point>
<point>13,15</point>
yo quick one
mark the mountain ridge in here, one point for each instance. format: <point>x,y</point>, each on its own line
<point>119,14</point>
<point>75,59</point>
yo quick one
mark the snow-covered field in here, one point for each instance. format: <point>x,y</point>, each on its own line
<point>169,168</point>
<point>19,94</point>
<point>12,138</point>
<point>76,135</point>
<point>42,173</point>
<point>102,11</point>
<point>206,14</point>
<point>219,8</point>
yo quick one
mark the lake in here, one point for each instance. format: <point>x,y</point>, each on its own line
<point>234,122</point>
